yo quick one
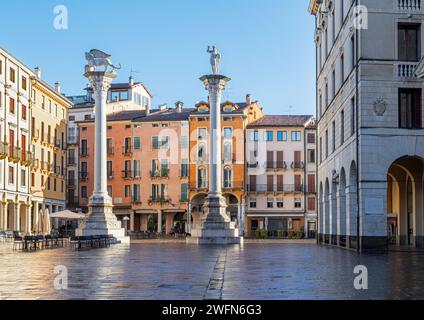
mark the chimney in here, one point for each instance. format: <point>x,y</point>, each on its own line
<point>131,81</point>
<point>179,106</point>
<point>57,87</point>
<point>248,99</point>
<point>163,107</point>
<point>38,72</point>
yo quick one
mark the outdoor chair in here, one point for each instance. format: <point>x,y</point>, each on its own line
<point>18,243</point>
<point>2,236</point>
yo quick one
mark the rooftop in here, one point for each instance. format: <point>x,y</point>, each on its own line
<point>281,121</point>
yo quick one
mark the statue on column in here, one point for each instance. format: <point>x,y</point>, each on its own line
<point>215,59</point>
<point>96,58</point>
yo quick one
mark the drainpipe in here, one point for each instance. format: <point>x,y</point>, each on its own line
<point>358,218</point>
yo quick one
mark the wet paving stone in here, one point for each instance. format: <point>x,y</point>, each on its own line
<point>177,271</point>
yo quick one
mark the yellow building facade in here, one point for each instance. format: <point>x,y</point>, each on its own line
<point>49,116</point>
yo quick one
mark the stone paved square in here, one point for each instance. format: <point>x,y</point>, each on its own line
<point>183,272</point>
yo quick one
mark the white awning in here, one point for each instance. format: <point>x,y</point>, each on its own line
<point>67,215</point>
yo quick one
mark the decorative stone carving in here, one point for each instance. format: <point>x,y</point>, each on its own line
<point>380,107</point>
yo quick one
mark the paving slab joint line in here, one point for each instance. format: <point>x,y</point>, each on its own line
<point>216,281</point>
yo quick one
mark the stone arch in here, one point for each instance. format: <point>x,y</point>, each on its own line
<point>321,220</point>
<point>326,211</point>
<point>352,206</point>
<point>342,223</point>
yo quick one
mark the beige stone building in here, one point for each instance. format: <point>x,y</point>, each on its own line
<point>281,177</point>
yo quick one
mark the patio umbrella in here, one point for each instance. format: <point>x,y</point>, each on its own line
<point>67,215</point>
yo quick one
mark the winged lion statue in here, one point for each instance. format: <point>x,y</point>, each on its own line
<point>96,58</point>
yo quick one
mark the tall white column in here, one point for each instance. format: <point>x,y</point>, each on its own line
<point>28,224</point>
<point>36,217</point>
<point>159,221</point>
<point>2,216</point>
<point>17,216</point>
<point>6,215</point>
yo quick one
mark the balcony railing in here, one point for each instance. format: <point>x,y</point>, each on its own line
<point>83,175</point>
<point>84,153</point>
<point>409,5</point>
<point>27,158</point>
<point>73,139</point>
<point>266,188</point>
<point>253,165</point>
<point>15,154</point>
<point>127,150</point>
<point>4,150</point>
<point>232,185</point>
<point>127,174</point>
<point>159,200</point>
<point>199,186</point>
<point>162,173</point>
<point>298,165</point>
<point>72,161</point>
<point>406,69</point>
<point>47,138</point>
<point>276,165</point>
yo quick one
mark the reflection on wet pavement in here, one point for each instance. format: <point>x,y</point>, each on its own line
<point>180,272</point>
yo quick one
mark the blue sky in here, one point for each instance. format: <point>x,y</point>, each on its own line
<point>267,46</point>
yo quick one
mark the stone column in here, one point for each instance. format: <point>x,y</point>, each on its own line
<point>2,227</point>
<point>132,221</point>
<point>17,217</point>
<point>6,215</point>
<point>159,221</point>
<point>101,219</point>
<point>28,222</point>
<point>36,217</point>
<point>189,218</point>
<point>43,217</point>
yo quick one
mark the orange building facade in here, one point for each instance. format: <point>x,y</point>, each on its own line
<point>234,120</point>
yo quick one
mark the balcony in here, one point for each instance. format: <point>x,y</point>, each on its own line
<point>276,188</point>
<point>72,161</point>
<point>4,150</point>
<point>27,158</point>
<point>47,139</point>
<point>57,143</point>
<point>45,166</point>
<point>409,5</point>
<point>159,200</point>
<point>199,186</point>
<point>35,134</point>
<point>127,174</point>
<point>73,139</point>
<point>281,165</point>
<point>110,151</point>
<point>56,170</point>
<point>405,70</point>
<point>136,200</point>
<point>35,163</point>
<point>84,153</point>
<point>298,165</point>
<point>83,175</point>
<point>15,154</point>
<point>160,174</point>
<point>127,151</point>
<point>231,185</point>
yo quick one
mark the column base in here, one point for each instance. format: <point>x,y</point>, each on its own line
<point>217,228</point>
<point>102,221</point>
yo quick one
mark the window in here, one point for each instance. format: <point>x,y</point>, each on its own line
<point>87,117</point>
<point>24,112</point>
<point>184,142</point>
<point>254,136</point>
<point>311,155</point>
<point>32,179</point>
<point>184,192</point>
<point>408,42</point>
<point>71,118</point>
<point>127,191</point>
<point>110,169</point>
<point>11,175</point>
<point>201,152</point>
<point>333,137</point>
<point>184,168</point>
<point>252,203</point>
<point>410,108</point>
<point>11,105</point>
<point>84,147</point>
<point>320,150</point>
<point>320,105</point>
<point>136,193</point>
<point>342,75</point>
<point>137,143</point>
<point>269,136</point>
<point>12,75</point>
<point>155,143</point>
<point>282,135</point>
<point>326,96</point>
<point>201,178</point>
<point>84,192</point>
<point>333,80</point>
<point>228,133</point>
<point>311,204</point>
<point>280,203</point>
<point>296,136</point>
<point>270,203</point>
<point>311,138</point>
<point>164,142</point>
<point>24,83</point>
<point>352,116</point>
<point>23,178</point>
<point>228,177</point>
<point>137,168</point>
<point>326,144</point>
<point>48,183</point>
<point>202,134</point>
<point>352,48</point>
<point>342,127</point>
<point>228,152</point>
<point>109,191</point>
<point>297,203</point>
